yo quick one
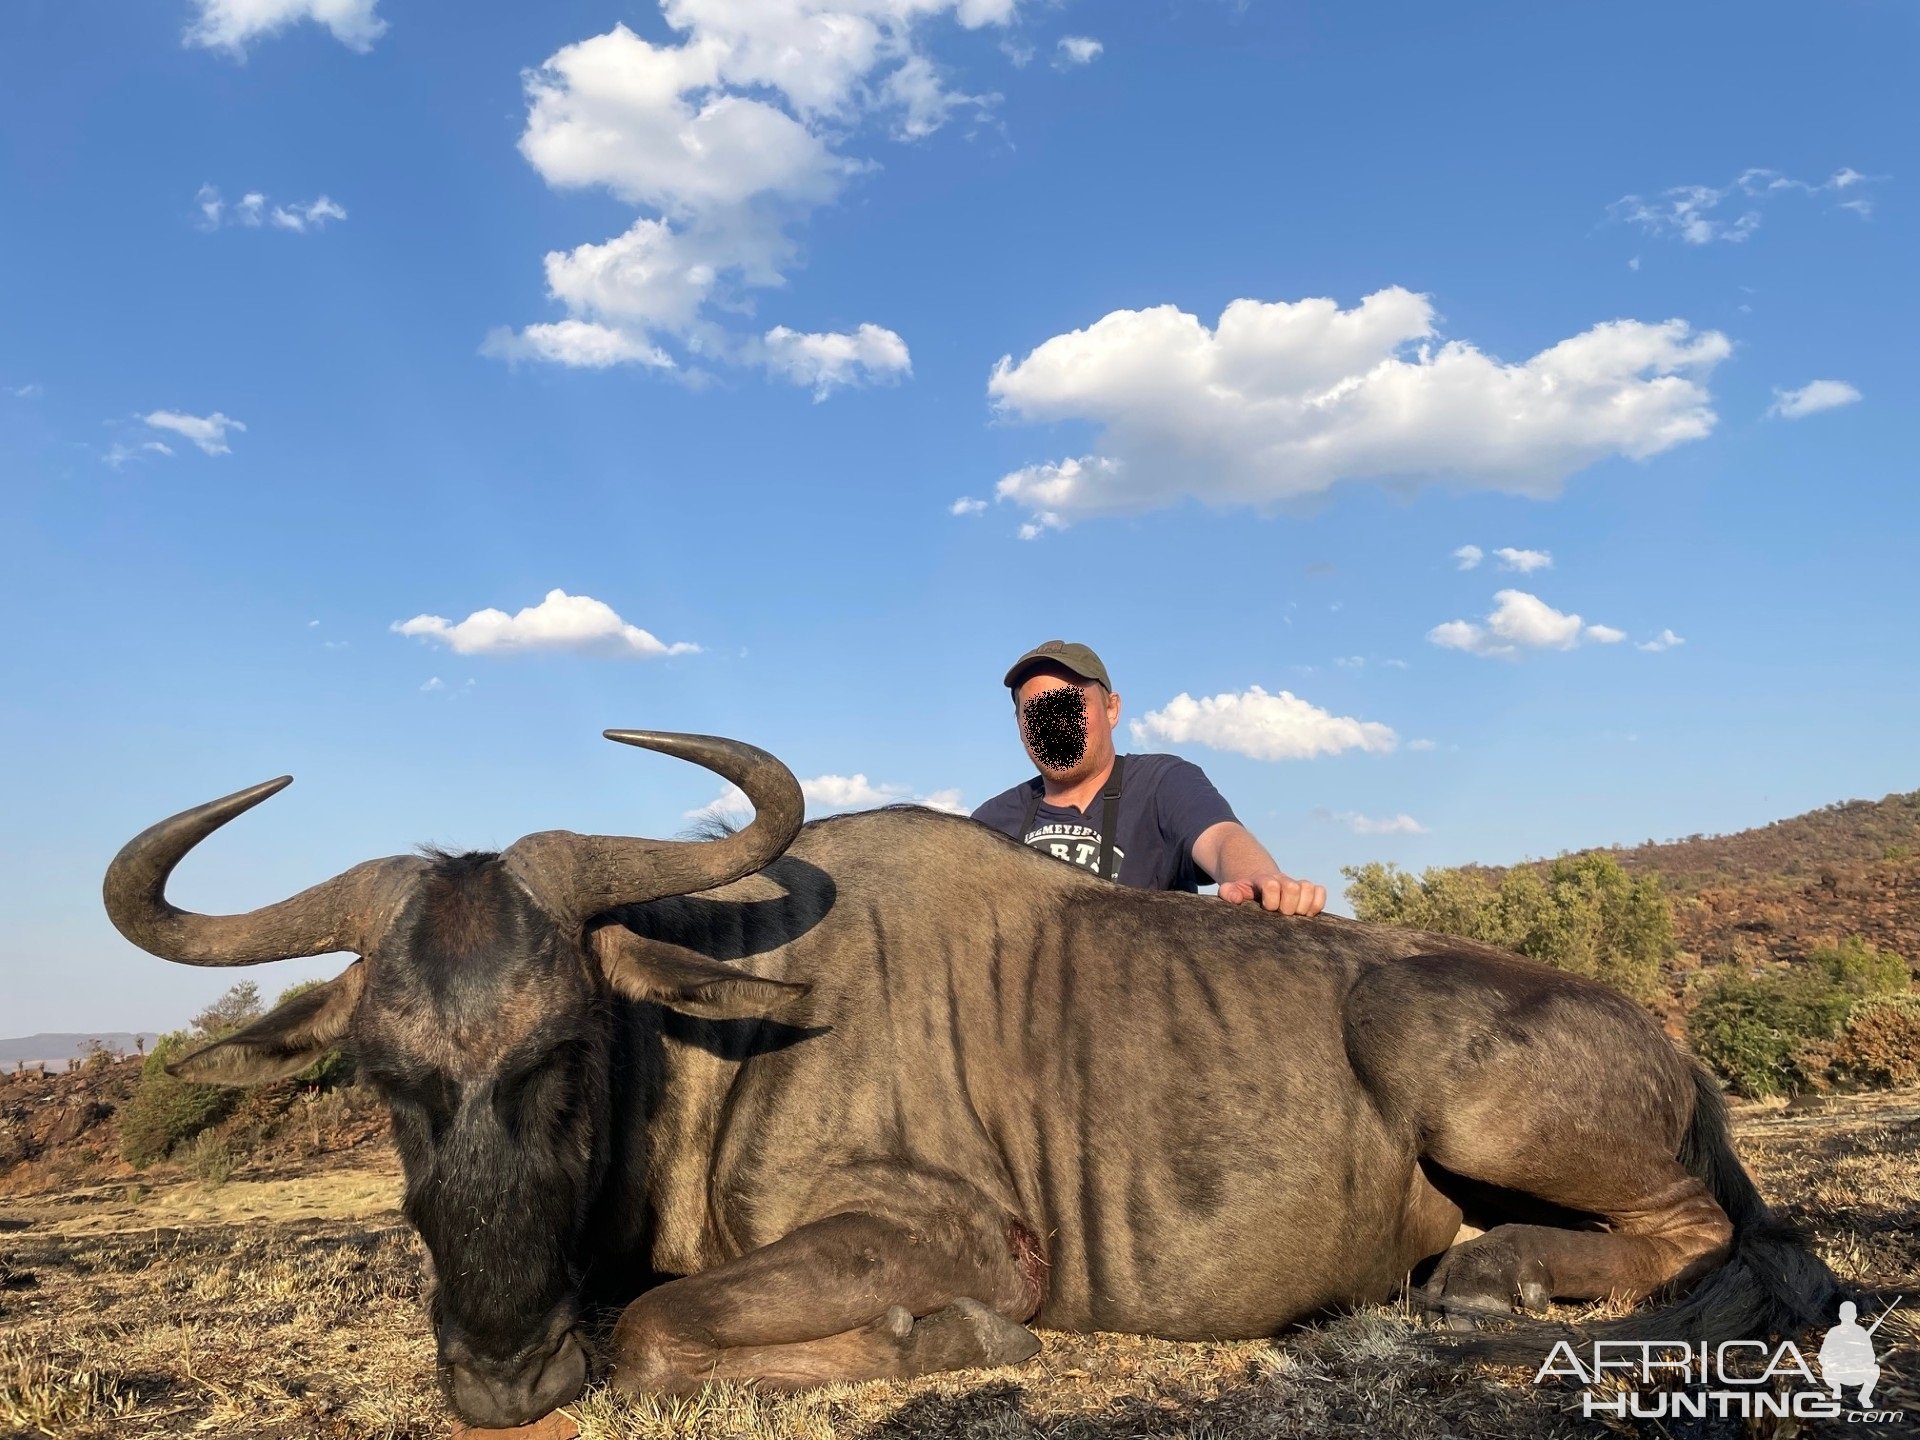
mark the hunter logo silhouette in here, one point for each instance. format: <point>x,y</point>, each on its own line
<point>1846,1354</point>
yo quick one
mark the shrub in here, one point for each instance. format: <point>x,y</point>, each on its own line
<point>1452,902</point>
<point>1785,1030</point>
<point>210,1158</point>
<point>1860,970</point>
<point>1584,914</point>
<point>1756,1030</point>
<point>239,1006</point>
<point>1880,1046</point>
<point>163,1110</point>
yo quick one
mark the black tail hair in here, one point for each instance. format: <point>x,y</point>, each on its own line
<point>1772,1283</point>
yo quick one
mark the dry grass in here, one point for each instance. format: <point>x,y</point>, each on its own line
<point>292,1307</point>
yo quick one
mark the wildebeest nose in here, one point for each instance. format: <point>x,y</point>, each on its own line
<point>497,1397</point>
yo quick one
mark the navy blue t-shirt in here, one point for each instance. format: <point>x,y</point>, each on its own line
<point>1165,804</point>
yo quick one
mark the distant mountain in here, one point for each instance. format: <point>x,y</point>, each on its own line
<point>1837,837</point>
<point>1778,891</point>
<point>58,1049</point>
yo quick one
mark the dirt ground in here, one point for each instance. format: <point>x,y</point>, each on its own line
<point>289,1303</point>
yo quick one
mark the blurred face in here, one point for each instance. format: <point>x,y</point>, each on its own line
<point>1066,722</point>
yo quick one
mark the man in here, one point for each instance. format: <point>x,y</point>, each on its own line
<point>1152,821</point>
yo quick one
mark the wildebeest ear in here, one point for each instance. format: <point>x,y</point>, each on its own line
<point>684,980</point>
<point>283,1042</point>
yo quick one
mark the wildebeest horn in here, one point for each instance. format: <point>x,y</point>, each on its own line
<point>581,875</point>
<point>344,913</point>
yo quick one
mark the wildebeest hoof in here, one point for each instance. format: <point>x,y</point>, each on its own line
<point>967,1335</point>
<point>1487,1277</point>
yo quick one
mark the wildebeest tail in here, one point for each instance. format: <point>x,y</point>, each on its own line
<point>1771,1283</point>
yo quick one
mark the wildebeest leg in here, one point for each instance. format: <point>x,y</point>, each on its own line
<point>1662,1226</point>
<point>1551,1089</point>
<point>838,1300</point>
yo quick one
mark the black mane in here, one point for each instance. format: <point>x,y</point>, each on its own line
<point>456,865</point>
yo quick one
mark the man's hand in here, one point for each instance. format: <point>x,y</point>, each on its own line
<point>1277,892</point>
<point>1247,872</point>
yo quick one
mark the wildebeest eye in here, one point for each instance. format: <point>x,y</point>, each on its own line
<point>428,1099</point>
<point>538,1085</point>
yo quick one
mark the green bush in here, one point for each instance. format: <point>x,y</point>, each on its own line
<point>1862,971</point>
<point>1756,1030</point>
<point>1585,914</point>
<point>1784,1031</point>
<point>164,1110</point>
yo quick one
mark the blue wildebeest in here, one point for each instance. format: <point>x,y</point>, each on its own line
<point>861,1099</point>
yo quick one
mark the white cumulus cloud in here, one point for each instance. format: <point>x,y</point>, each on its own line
<point>209,432</point>
<point>578,343</point>
<point>1077,50</point>
<point>1402,824</point>
<point>1520,621</point>
<point>1705,214</point>
<point>1812,398</point>
<point>313,214</point>
<point>829,361</point>
<point>967,505</point>
<point>1468,556</point>
<point>1285,400</point>
<point>1665,640</point>
<point>726,140</point>
<point>1263,726</point>
<point>1525,561</point>
<point>575,623</point>
<point>231,24</point>
<point>838,792</point>
<point>252,211</point>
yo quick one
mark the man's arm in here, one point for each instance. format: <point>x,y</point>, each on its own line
<point>1228,852</point>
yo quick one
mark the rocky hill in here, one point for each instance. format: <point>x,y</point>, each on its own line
<point>1780,890</point>
<point>1854,835</point>
<point>62,1128</point>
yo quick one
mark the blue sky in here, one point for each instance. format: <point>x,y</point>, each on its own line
<point>712,318</point>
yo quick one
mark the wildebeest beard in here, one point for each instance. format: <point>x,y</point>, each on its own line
<point>1055,725</point>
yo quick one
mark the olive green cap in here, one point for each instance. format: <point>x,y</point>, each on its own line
<point>1064,653</point>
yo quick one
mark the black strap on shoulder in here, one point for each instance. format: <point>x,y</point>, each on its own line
<point>1109,817</point>
<point>1035,788</point>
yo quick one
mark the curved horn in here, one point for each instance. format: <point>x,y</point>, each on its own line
<point>581,875</point>
<point>344,913</point>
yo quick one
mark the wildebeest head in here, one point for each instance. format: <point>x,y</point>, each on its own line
<point>479,1008</point>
